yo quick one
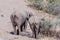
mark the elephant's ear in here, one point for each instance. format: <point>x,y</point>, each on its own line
<point>29,13</point>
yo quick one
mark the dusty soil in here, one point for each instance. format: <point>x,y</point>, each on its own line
<point>6,9</point>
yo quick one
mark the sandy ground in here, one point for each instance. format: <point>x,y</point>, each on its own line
<point>6,9</point>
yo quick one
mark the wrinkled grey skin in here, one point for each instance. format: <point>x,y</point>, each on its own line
<point>34,23</point>
<point>19,19</point>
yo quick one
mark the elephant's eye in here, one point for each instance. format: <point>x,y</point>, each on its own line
<point>29,15</point>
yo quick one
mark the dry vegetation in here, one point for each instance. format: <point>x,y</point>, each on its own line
<point>6,9</point>
<point>49,6</point>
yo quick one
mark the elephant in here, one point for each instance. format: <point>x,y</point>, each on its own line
<point>19,19</point>
<point>38,23</point>
<point>34,23</point>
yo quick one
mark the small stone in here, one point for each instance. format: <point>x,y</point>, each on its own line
<point>2,15</point>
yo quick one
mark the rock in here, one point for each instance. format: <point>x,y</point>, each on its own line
<point>2,15</point>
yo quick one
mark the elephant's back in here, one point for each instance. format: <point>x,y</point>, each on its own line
<point>20,16</point>
<point>34,19</point>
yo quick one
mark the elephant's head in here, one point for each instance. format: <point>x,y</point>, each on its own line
<point>29,14</point>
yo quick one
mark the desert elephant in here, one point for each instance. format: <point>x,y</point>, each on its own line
<point>37,23</point>
<point>19,19</point>
<point>34,23</point>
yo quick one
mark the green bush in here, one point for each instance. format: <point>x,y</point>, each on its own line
<point>46,6</point>
<point>51,1</point>
<point>36,3</point>
<point>49,6</point>
<point>45,23</point>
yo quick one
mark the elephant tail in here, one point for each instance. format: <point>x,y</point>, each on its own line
<point>12,17</point>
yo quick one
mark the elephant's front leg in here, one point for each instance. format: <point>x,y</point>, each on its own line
<point>25,26</point>
<point>31,27</point>
<point>35,31</point>
<point>19,29</point>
